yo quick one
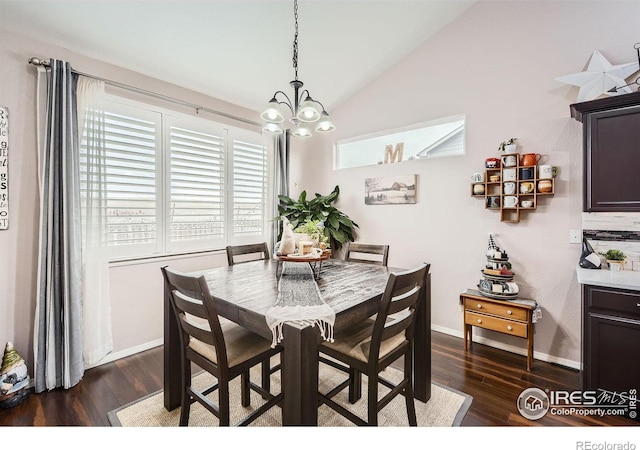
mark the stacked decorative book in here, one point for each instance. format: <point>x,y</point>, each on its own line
<point>497,277</point>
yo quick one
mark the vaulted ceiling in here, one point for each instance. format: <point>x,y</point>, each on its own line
<point>239,51</point>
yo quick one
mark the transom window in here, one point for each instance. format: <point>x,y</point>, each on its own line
<point>442,137</point>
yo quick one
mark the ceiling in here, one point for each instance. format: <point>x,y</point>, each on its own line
<point>239,51</point>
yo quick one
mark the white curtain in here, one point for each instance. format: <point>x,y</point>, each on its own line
<point>98,341</point>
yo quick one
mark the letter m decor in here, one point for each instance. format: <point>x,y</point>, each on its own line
<point>391,155</point>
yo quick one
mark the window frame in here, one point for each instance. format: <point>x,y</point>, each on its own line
<point>431,123</point>
<point>163,246</point>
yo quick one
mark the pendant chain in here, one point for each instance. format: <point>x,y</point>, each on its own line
<point>295,38</point>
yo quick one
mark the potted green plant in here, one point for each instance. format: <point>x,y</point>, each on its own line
<point>508,146</point>
<point>615,259</point>
<point>336,227</point>
<point>314,230</point>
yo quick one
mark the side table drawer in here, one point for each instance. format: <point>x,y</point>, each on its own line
<point>506,310</point>
<point>496,324</point>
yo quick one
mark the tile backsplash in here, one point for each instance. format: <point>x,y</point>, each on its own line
<point>611,221</point>
<point>620,231</point>
<point>631,249</point>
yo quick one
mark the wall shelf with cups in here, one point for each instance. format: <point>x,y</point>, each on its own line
<point>513,184</point>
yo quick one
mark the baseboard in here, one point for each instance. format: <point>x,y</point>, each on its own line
<point>127,352</point>
<point>510,348</point>
<point>451,332</point>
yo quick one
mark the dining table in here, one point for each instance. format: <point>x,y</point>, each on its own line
<point>245,292</point>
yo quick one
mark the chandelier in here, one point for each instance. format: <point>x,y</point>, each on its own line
<point>305,111</point>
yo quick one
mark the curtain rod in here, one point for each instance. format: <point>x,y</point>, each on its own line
<point>41,62</point>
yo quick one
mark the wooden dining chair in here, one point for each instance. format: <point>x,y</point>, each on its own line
<point>225,351</point>
<point>374,344</point>
<point>257,251</point>
<point>356,251</point>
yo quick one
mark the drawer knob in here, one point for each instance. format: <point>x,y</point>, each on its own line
<point>509,327</point>
<point>479,320</point>
<point>479,306</point>
<point>509,312</point>
<point>638,305</point>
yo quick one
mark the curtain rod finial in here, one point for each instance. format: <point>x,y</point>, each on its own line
<point>36,61</point>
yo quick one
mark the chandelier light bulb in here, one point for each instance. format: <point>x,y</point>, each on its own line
<point>325,124</point>
<point>301,131</point>
<point>272,128</point>
<point>272,112</point>
<point>308,110</point>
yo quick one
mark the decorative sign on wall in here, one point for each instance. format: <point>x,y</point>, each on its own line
<point>393,190</point>
<point>4,168</point>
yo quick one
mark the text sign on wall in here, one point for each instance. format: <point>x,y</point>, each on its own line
<point>4,168</point>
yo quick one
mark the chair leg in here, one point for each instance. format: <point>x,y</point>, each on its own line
<point>266,377</point>
<point>372,400</point>
<point>223,400</point>
<point>355,385</point>
<point>185,401</point>
<point>245,392</point>
<point>408,391</point>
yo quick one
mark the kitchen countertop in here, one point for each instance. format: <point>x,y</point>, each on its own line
<point>626,279</point>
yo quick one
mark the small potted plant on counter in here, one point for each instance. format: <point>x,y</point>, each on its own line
<point>616,259</point>
<point>508,146</point>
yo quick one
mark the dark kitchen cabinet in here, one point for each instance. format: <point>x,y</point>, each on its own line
<point>611,155</point>
<point>610,339</point>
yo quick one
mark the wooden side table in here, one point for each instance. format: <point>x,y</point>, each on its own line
<point>513,317</point>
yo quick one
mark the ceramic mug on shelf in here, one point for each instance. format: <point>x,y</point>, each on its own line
<point>526,187</point>
<point>530,159</point>
<point>477,177</point>
<point>510,201</point>
<point>509,174</point>
<point>492,163</point>
<point>526,203</point>
<point>509,161</point>
<point>547,171</point>
<point>526,173</point>
<point>493,202</point>
<point>509,188</point>
<point>478,189</point>
<point>545,186</point>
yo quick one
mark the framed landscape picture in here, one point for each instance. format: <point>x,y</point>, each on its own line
<point>393,190</point>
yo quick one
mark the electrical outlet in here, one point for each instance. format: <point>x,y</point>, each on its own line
<point>575,236</point>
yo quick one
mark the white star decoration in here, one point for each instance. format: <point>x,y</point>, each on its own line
<point>600,77</point>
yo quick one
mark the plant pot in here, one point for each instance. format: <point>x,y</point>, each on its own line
<point>511,148</point>
<point>615,265</point>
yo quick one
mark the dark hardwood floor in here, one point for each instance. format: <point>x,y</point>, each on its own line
<point>494,378</point>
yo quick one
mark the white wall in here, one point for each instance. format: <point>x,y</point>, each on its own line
<point>136,289</point>
<point>496,64</point>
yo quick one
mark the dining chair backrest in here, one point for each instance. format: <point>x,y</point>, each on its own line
<point>195,309</point>
<point>361,253</point>
<point>398,306</point>
<point>257,251</point>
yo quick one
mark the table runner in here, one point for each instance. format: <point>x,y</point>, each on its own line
<point>299,301</point>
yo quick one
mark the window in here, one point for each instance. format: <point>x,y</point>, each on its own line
<point>443,137</point>
<point>175,183</point>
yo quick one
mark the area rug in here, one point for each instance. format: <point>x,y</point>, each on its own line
<point>447,407</point>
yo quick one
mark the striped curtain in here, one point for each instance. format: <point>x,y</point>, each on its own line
<point>58,319</point>
<point>280,181</point>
